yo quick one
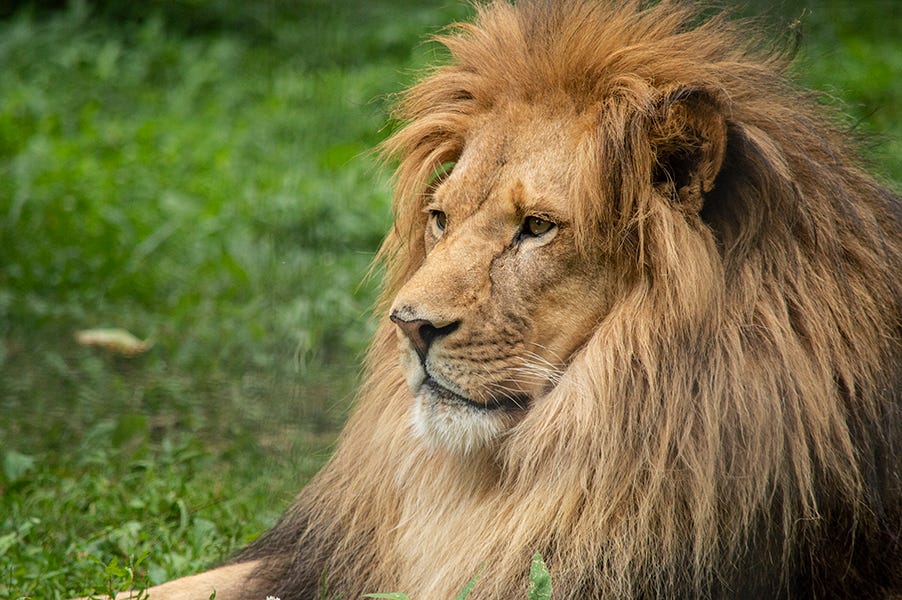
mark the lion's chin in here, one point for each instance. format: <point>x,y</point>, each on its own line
<point>445,420</point>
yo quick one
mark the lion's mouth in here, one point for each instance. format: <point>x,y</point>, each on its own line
<point>443,394</point>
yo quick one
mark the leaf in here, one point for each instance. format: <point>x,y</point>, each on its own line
<point>7,541</point>
<point>390,596</point>
<point>539,579</point>
<point>16,465</point>
<point>115,340</point>
<point>113,569</point>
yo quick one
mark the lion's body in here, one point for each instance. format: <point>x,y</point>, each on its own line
<point>718,413</point>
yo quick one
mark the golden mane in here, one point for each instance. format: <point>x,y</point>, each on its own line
<point>732,427</point>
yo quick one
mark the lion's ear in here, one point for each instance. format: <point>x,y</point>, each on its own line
<point>688,134</point>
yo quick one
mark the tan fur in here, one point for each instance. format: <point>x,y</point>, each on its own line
<point>706,353</point>
<point>227,583</point>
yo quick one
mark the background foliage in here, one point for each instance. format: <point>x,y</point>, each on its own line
<point>198,172</point>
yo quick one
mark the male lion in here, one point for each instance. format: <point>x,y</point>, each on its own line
<point>641,315</point>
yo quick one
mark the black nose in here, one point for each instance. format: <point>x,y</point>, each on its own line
<point>422,332</point>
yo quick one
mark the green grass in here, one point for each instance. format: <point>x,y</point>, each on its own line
<point>198,172</point>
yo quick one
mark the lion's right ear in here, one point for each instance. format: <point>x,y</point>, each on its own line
<point>688,135</point>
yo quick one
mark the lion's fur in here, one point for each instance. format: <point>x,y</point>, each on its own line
<point>732,427</point>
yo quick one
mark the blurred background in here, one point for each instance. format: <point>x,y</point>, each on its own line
<point>199,173</point>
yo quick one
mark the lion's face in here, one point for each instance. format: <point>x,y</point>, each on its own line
<point>503,299</point>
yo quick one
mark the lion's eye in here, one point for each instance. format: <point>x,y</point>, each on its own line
<point>535,226</point>
<point>440,218</point>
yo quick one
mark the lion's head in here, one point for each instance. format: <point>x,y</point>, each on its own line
<point>505,295</point>
<point>641,314</point>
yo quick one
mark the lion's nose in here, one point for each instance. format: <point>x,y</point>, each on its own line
<point>422,332</point>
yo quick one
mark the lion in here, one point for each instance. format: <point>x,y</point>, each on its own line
<point>641,315</point>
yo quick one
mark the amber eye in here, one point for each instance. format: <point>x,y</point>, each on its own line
<point>536,226</point>
<point>441,219</point>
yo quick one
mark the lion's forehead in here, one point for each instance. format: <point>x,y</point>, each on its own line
<point>516,164</point>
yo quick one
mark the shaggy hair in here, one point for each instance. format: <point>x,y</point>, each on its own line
<point>731,428</point>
